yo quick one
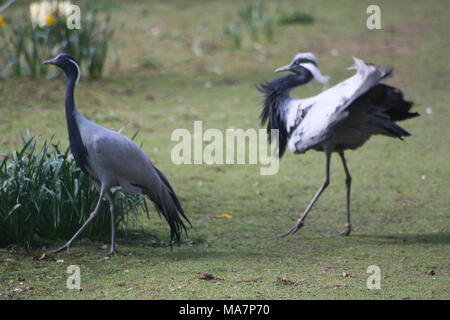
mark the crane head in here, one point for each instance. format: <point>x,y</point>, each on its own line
<point>303,61</point>
<point>68,64</point>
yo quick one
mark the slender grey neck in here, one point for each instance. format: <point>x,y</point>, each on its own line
<point>77,146</point>
<point>277,92</point>
<point>283,86</point>
<point>70,97</point>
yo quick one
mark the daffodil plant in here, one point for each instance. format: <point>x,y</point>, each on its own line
<point>24,45</point>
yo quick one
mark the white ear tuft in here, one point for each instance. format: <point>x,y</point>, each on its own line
<point>316,73</point>
<point>78,71</point>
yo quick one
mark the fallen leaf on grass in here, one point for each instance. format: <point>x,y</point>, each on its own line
<point>44,256</point>
<point>226,215</point>
<point>207,277</point>
<point>204,276</point>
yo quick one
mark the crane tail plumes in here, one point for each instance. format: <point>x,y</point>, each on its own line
<point>387,106</point>
<point>168,205</point>
<point>391,100</point>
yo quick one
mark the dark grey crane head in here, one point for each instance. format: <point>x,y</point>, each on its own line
<point>301,63</point>
<point>68,64</point>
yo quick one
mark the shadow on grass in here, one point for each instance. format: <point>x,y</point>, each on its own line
<point>408,239</point>
<point>154,246</point>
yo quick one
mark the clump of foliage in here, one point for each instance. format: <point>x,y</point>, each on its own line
<point>257,22</point>
<point>24,45</point>
<point>45,196</point>
<point>259,17</point>
<point>148,62</point>
<point>233,32</point>
<point>295,17</point>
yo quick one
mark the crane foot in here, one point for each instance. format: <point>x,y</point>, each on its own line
<point>293,230</point>
<point>346,232</point>
<point>113,252</point>
<point>64,247</point>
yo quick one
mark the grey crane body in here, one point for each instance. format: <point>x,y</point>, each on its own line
<point>109,156</point>
<point>341,118</point>
<point>113,160</point>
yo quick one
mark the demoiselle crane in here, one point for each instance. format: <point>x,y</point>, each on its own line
<point>112,160</point>
<point>342,117</point>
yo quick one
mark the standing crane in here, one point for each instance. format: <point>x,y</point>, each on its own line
<point>340,118</point>
<point>112,160</point>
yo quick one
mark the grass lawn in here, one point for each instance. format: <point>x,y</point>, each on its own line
<point>400,207</point>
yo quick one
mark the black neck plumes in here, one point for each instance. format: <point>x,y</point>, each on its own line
<point>77,147</point>
<point>276,94</point>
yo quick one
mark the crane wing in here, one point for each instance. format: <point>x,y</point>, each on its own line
<point>325,110</point>
<point>116,159</point>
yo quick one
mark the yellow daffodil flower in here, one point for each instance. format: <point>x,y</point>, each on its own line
<point>46,13</point>
<point>50,21</point>
<point>3,23</point>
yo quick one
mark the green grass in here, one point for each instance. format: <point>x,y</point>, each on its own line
<point>400,191</point>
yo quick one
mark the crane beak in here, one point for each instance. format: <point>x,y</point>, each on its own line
<point>285,68</point>
<point>49,62</point>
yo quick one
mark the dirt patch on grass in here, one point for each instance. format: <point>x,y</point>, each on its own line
<point>285,281</point>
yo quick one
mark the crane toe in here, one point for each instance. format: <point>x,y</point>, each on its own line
<point>346,232</point>
<point>293,230</point>
<point>113,252</point>
<point>64,247</point>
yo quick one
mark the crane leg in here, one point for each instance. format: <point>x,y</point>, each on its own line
<point>348,183</point>
<point>112,208</point>
<point>324,185</point>
<point>94,213</point>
